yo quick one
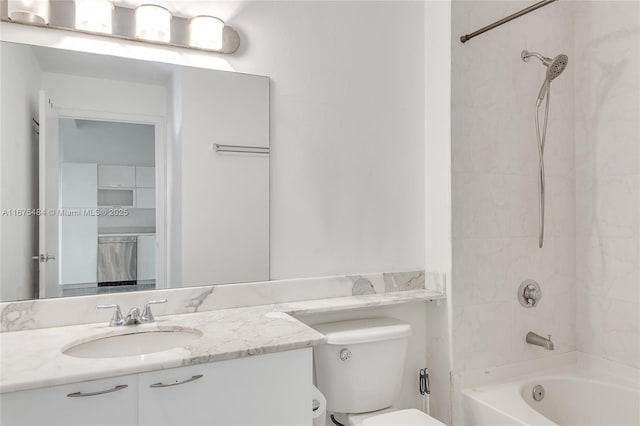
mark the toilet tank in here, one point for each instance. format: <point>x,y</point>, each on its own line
<point>360,368</point>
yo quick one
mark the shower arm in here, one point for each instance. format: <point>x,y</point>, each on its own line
<point>526,55</point>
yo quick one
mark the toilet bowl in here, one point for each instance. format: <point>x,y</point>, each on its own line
<point>359,371</point>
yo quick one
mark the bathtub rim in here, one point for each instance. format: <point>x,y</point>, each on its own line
<point>502,387</point>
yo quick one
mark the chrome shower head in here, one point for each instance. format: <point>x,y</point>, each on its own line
<point>555,67</point>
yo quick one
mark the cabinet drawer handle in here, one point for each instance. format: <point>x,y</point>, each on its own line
<point>164,385</point>
<point>82,394</point>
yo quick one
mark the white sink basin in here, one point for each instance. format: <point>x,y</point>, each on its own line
<point>133,343</point>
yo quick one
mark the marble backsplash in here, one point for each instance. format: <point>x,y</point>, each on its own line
<point>58,312</point>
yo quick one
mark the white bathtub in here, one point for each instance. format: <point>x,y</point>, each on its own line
<point>573,397</point>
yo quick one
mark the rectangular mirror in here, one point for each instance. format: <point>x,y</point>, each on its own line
<point>111,180</point>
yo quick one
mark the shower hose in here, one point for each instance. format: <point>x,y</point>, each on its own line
<point>541,181</point>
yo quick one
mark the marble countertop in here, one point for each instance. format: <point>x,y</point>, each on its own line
<point>333,304</point>
<point>34,359</point>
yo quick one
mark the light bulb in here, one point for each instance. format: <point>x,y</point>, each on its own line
<point>94,15</point>
<point>205,32</point>
<point>29,11</point>
<point>153,22</point>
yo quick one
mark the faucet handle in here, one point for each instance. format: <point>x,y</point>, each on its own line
<point>117,319</point>
<point>147,315</point>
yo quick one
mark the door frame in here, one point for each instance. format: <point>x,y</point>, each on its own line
<point>159,123</point>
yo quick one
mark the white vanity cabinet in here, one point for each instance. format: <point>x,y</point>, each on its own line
<point>103,402</point>
<point>272,389</point>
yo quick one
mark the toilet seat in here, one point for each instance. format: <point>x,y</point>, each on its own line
<point>410,417</point>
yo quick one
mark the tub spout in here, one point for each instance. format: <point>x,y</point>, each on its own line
<point>536,339</point>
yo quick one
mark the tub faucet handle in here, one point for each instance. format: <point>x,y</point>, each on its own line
<point>529,293</point>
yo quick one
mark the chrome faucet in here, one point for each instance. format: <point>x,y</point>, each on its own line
<point>134,316</point>
<point>536,339</point>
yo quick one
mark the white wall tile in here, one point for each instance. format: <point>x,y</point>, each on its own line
<point>607,152</point>
<point>495,186</point>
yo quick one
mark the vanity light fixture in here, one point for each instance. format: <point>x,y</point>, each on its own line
<point>205,32</point>
<point>153,23</point>
<point>94,15</point>
<point>35,12</point>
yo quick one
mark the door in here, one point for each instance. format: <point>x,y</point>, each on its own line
<point>48,194</point>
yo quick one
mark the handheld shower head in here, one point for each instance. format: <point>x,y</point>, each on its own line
<point>555,67</point>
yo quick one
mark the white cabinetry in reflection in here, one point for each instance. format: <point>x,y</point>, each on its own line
<point>78,227</point>
<point>116,176</point>
<point>272,389</point>
<point>145,198</point>
<point>145,177</point>
<point>146,257</point>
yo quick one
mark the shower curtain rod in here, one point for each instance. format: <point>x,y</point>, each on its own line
<point>531,8</point>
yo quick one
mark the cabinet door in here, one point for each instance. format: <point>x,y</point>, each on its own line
<point>78,250</point>
<point>273,389</point>
<point>116,176</point>
<point>78,185</point>
<point>53,406</point>
<point>146,257</point>
<point>145,177</point>
<point>145,198</point>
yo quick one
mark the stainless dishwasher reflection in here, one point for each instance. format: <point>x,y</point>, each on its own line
<point>117,260</point>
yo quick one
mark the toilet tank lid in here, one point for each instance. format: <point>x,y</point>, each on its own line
<point>363,330</point>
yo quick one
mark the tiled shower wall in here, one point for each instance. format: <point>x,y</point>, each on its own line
<point>494,186</point>
<point>607,150</point>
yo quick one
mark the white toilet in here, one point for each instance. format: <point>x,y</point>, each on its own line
<point>359,371</point>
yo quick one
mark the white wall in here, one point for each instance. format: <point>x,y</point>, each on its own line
<point>224,196</point>
<point>347,132</point>
<point>19,83</point>
<point>437,119</point>
<point>495,199</point>
<point>607,147</point>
